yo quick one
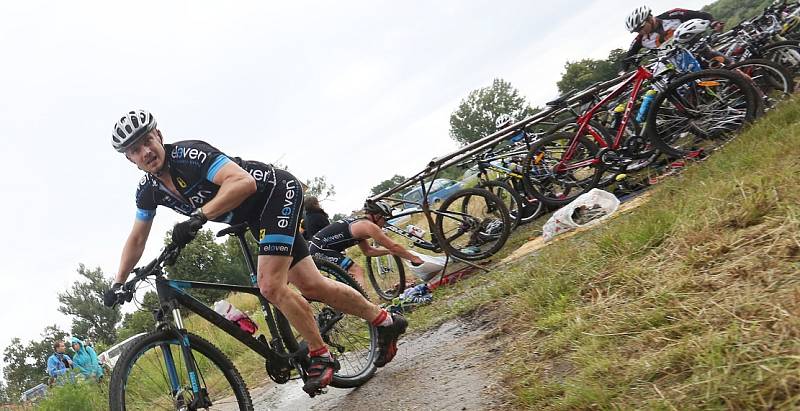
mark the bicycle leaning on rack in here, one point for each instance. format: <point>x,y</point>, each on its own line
<point>472,224</point>
<point>173,368</point>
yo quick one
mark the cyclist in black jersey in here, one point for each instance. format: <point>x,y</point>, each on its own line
<point>331,242</point>
<point>197,180</point>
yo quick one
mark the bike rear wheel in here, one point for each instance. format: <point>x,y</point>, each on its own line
<point>353,340</point>
<point>773,80</point>
<point>152,374</point>
<point>511,199</point>
<point>699,112</point>
<point>387,276</point>
<point>472,224</point>
<point>542,176</point>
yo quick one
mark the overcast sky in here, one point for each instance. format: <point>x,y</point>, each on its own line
<point>356,91</point>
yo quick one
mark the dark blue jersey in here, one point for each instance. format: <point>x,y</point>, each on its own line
<point>193,165</point>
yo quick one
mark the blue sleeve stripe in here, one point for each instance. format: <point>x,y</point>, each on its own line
<point>145,215</point>
<point>215,166</point>
<point>277,238</point>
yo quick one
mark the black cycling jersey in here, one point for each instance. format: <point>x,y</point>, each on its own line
<point>330,243</point>
<point>193,165</point>
<point>667,23</point>
<point>336,236</point>
<point>272,211</point>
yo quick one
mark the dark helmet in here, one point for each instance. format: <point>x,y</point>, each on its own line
<point>378,208</point>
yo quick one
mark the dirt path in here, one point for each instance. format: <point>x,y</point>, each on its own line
<point>450,367</point>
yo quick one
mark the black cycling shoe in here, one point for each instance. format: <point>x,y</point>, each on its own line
<point>320,373</point>
<point>387,339</point>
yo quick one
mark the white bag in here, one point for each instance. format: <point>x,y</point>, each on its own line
<point>594,206</point>
<point>429,268</point>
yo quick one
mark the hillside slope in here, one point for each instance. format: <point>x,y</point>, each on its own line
<point>691,301</point>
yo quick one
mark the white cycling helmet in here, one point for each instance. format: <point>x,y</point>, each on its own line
<point>130,128</point>
<point>690,30</point>
<point>637,18</point>
<point>503,120</point>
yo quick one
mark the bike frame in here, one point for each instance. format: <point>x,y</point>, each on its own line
<point>172,295</point>
<point>637,78</point>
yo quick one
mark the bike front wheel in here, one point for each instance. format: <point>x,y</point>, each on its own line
<point>153,374</point>
<point>387,276</point>
<point>472,224</point>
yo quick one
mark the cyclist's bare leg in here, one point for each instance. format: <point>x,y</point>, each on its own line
<point>273,273</point>
<point>306,277</point>
<point>357,273</point>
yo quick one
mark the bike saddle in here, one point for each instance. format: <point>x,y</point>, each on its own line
<point>240,228</point>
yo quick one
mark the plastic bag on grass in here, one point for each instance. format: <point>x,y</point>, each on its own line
<point>588,208</point>
<point>429,268</point>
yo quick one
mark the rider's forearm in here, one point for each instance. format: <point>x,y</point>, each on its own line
<point>399,251</point>
<point>231,193</point>
<point>376,252</point>
<point>131,253</point>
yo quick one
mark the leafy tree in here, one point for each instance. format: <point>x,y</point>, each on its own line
<point>4,399</point>
<point>84,302</point>
<point>476,115</point>
<point>26,365</point>
<point>141,320</point>
<point>732,12</point>
<point>387,184</point>
<point>338,216</point>
<point>583,73</point>
<point>237,265</point>
<point>205,260</point>
<point>320,188</point>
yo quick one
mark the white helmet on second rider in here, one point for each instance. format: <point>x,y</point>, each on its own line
<point>637,18</point>
<point>130,128</point>
<point>690,30</point>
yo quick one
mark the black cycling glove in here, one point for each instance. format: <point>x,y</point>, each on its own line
<point>185,231</point>
<point>112,295</point>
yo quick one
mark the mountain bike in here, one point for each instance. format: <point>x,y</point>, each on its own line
<point>472,224</point>
<point>173,368</point>
<point>508,186</point>
<point>700,109</point>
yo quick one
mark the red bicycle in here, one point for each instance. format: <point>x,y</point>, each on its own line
<point>691,114</point>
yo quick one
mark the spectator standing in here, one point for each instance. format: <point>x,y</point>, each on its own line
<point>315,217</point>
<point>59,364</point>
<point>85,360</point>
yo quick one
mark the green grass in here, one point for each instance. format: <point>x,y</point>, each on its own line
<point>689,302</point>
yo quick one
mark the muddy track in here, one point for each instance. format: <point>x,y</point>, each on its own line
<point>449,367</point>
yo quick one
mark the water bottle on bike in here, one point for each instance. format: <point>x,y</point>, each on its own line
<point>648,98</point>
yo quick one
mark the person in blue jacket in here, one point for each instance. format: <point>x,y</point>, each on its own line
<point>85,360</point>
<point>59,364</point>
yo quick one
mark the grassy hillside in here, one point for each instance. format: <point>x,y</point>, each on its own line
<point>691,301</point>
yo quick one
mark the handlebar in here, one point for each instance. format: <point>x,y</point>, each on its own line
<point>167,257</point>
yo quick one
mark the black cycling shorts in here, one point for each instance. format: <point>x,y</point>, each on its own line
<point>279,223</point>
<point>332,256</point>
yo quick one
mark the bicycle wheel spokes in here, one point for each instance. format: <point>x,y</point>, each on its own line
<point>701,111</point>
<point>352,340</point>
<point>509,197</point>
<point>387,276</point>
<point>472,224</point>
<point>554,179</point>
<point>159,379</point>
